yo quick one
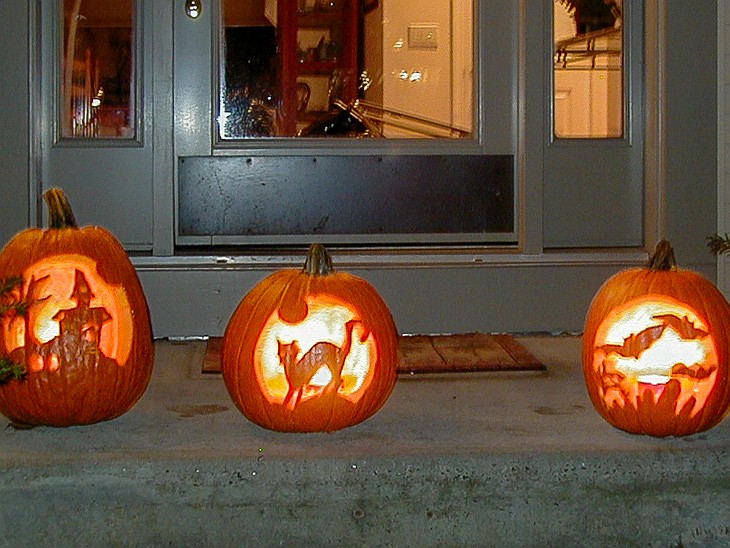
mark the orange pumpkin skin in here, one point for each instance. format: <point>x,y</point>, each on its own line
<point>98,361</point>
<point>278,318</point>
<point>656,350</point>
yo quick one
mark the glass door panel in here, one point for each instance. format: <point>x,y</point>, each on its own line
<point>345,68</point>
<point>588,91</point>
<point>98,70</point>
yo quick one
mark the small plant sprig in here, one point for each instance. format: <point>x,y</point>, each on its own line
<point>11,304</point>
<point>10,370</point>
<point>719,244</point>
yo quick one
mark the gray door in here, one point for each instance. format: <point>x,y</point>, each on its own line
<point>594,186</point>
<point>572,192</point>
<point>103,159</point>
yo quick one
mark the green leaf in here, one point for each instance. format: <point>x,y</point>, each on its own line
<point>719,245</point>
<point>8,284</point>
<point>11,304</point>
<point>9,370</point>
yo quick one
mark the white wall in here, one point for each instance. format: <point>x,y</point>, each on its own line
<point>442,93</point>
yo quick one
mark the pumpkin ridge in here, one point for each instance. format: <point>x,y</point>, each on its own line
<point>364,291</point>
<point>725,374</point>
<point>708,411</point>
<point>330,423</point>
<point>292,305</point>
<point>644,413</point>
<point>239,320</point>
<point>654,284</point>
<point>269,413</point>
<point>248,311</point>
<point>374,373</point>
<point>722,379</point>
<point>667,406</point>
<point>717,394</point>
<point>112,250</point>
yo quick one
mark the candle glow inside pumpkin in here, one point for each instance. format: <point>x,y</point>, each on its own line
<point>649,341</point>
<point>325,325</point>
<point>56,286</point>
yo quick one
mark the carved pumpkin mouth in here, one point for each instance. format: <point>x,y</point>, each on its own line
<point>652,380</point>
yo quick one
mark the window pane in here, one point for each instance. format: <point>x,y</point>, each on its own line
<point>588,73</point>
<point>97,69</point>
<point>346,68</point>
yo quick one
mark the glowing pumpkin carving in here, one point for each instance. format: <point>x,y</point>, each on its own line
<point>311,350</point>
<point>655,350</point>
<point>85,340</point>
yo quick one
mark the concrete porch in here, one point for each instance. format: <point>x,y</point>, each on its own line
<point>491,459</point>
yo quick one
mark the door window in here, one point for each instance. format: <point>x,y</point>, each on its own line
<point>588,91</point>
<point>345,68</point>
<point>98,70</point>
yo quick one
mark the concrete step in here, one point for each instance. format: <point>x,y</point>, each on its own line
<point>484,459</point>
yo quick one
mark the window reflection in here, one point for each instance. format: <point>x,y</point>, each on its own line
<point>588,71</point>
<point>346,68</point>
<point>97,69</point>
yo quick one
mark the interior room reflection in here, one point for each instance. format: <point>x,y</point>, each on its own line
<point>346,68</point>
<point>97,69</point>
<point>342,68</point>
<point>588,82</point>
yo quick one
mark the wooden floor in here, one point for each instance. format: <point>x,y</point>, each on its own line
<point>469,352</point>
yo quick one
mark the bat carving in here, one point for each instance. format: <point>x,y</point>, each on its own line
<point>698,373</point>
<point>683,326</point>
<point>636,343</point>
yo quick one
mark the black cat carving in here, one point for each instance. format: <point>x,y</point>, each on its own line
<point>299,373</point>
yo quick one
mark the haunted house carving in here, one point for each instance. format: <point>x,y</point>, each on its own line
<point>78,341</point>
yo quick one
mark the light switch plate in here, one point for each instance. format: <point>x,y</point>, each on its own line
<point>423,36</point>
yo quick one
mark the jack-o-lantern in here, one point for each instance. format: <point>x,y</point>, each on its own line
<point>655,350</point>
<point>310,350</point>
<point>85,338</point>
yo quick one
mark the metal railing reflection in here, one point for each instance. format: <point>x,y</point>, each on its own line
<point>363,119</point>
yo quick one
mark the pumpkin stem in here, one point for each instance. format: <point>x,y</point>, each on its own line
<point>319,262</point>
<point>60,214</point>
<point>663,257</point>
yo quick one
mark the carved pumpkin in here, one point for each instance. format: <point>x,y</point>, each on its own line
<point>655,350</point>
<point>85,340</point>
<point>311,350</point>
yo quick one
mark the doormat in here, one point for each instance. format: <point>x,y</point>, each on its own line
<point>469,352</point>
